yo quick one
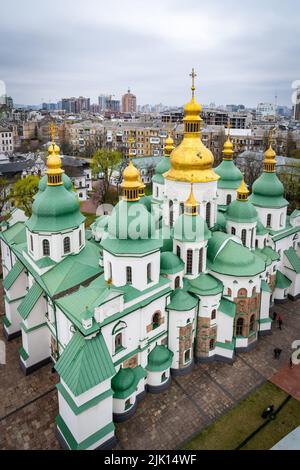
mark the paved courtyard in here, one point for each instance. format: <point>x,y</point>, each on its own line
<point>28,405</point>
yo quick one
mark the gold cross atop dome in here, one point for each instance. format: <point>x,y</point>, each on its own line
<point>193,75</point>
<point>52,128</point>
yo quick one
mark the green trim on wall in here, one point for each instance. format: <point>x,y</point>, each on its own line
<point>71,441</point>
<point>29,330</point>
<point>265,320</point>
<point>23,354</point>
<point>89,404</point>
<point>225,345</point>
<point>6,321</point>
<point>10,301</point>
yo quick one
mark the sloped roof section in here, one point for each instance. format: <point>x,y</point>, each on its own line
<point>282,282</point>
<point>13,274</point>
<point>293,258</point>
<point>30,300</point>
<point>227,307</point>
<point>85,363</point>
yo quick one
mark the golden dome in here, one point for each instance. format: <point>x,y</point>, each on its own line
<point>169,146</point>
<point>191,205</point>
<point>242,191</point>
<point>228,148</point>
<point>54,170</point>
<point>131,183</point>
<point>270,156</point>
<point>191,157</point>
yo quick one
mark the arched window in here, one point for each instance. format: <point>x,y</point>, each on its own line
<point>80,238</point>
<point>178,251</point>
<point>128,275</point>
<point>109,271</point>
<point>252,237</point>
<point>244,236</point>
<point>149,274</point>
<point>228,199</point>
<point>200,262</point>
<point>213,314</point>
<point>181,208</point>
<point>171,215</point>
<point>31,243</point>
<point>256,243</point>
<point>265,242</point>
<point>67,245</point>
<point>156,320</point>
<point>211,344</point>
<point>252,324</point>
<point>239,327</point>
<point>80,195</point>
<point>46,248</point>
<point>118,342</point>
<point>253,291</point>
<point>187,356</point>
<point>177,282</point>
<point>156,191</point>
<point>189,261</point>
<point>208,211</point>
<point>229,291</point>
<point>242,293</point>
<point>233,231</point>
<point>269,220</point>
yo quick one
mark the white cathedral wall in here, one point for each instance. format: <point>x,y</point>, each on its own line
<point>235,283</point>
<point>63,328</point>
<point>280,246</point>
<point>222,196</point>
<point>7,259</point>
<point>37,344</point>
<point>208,304</point>
<point>195,247</point>
<point>250,231</point>
<point>225,327</point>
<point>154,378</point>
<point>278,216</point>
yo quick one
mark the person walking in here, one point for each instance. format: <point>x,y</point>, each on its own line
<point>280,322</point>
<point>277,353</point>
<point>274,316</point>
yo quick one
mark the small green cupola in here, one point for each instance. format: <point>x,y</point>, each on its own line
<point>241,210</point>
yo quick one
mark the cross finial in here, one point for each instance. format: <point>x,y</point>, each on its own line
<point>130,140</point>
<point>52,128</point>
<point>228,128</point>
<point>193,75</point>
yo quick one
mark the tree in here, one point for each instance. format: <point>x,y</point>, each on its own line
<point>22,193</point>
<point>3,193</point>
<point>105,162</point>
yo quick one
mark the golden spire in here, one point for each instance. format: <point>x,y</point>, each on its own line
<point>242,191</point>
<point>169,142</point>
<point>228,145</point>
<point>193,75</point>
<point>54,170</point>
<point>131,175</point>
<point>270,156</point>
<point>191,204</point>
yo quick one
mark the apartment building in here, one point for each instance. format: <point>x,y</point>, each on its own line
<point>6,140</point>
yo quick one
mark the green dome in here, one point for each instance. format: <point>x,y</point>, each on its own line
<point>205,284</point>
<point>159,179</point>
<point>159,359</point>
<point>163,166</point>
<point>221,220</point>
<point>268,191</point>
<point>170,263</point>
<point>131,221</point>
<point>54,209</point>
<point>146,201</point>
<point>123,380</point>
<point>230,176</point>
<point>241,211</point>
<point>182,301</point>
<point>227,256</point>
<point>189,228</point>
<point>65,179</point>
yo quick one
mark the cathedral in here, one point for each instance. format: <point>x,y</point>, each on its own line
<point>188,274</point>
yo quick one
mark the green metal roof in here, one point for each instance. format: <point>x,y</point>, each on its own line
<point>265,286</point>
<point>241,211</point>
<point>295,214</point>
<point>124,383</point>
<point>159,359</point>
<point>268,191</point>
<point>293,258</point>
<point>189,228</point>
<point>181,301</point>
<point>260,229</point>
<point>13,274</point>
<point>227,307</point>
<point>159,179</point>
<point>30,300</point>
<point>282,282</point>
<point>170,263</point>
<point>270,253</point>
<point>85,363</point>
<point>15,234</point>
<point>230,175</point>
<point>205,284</point>
<point>263,256</point>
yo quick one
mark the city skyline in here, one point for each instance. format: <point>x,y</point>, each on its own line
<point>240,56</point>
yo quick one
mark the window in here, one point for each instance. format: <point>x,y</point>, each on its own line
<point>127,404</point>
<point>156,320</point>
<point>228,199</point>
<point>171,215</point>
<point>256,243</point>
<point>67,245</point>
<point>109,271</point>
<point>149,277</point>
<point>118,342</point>
<point>181,208</point>
<point>233,231</point>
<point>46,248</point>
<point>269,220</point>
<point>252,237</point>
<point>208,211</point>
<point>211,344</point>
<point>244,236</point>
<point>239,327</point>
<point>164,377</point>
<point>229,291</point>
<point>156,191</point>
<point>177,282</point>
<point>252,324</point>
<point>242,293</point>
<point>31,243</point>
<point>213,314</point>
<point>187,355</point>
<point>80,238</point>
<point>178,251</point>
<point>200,261</point>
<point>128,275</point>
<point>189,262</point>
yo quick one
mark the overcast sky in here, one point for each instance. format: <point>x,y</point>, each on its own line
<point>243,52</point>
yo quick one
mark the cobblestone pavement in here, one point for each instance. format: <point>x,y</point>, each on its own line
<point>28,405</point>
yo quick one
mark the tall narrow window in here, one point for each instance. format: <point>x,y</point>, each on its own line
<point>239,327</point>
<point>189,262</point>
<point>46,248</point>
<point>252,324</point>
<point>213,314</point>
<point>181,208</point>
<point>178,251</point>
<point>31,243</point>
<point>67,245</point>
<point>128,275</point>
<point>149,275</point>
<point>244,236</point>
<point>171,215</point>
<point>269,220</point>
<point>208,211</point>
<point>228,199</point>
<point>211,344</point>
<point>80,238</point>
<point>233,231</point>
<point>118,342</point>
<point>177,282</point>
<point>200,261</point>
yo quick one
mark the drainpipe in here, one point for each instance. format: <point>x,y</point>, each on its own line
<point>56,331</point>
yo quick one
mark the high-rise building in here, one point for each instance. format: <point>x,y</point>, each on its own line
<point>297,106</point>
<point>107,103</point>
<point>75,105</point>
<point>129,103</point>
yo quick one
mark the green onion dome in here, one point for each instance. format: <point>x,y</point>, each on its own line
<point>230,175</point>
<point>170,263</point>
<point>123,381</point>
<point>146,201</point>
<point>241,211</point>
<point>205,284</point>
<point>191,228</point>
<point>159,359</point>
<point>131,221</point>
<point>268,191</point>
<point>182,301</point>
<point>55,208</point>
<point>65,179</point>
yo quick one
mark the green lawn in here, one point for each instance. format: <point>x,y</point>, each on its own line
<point>237,424</point>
